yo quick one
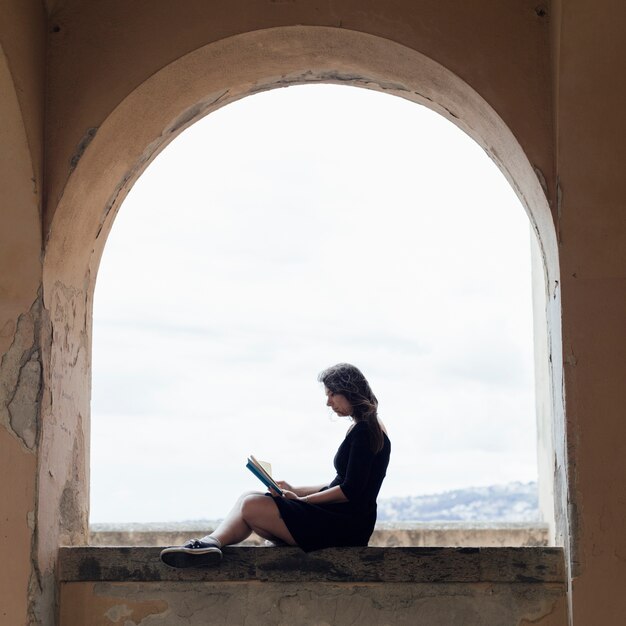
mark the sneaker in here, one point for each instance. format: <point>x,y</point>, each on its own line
<point>194,553</point>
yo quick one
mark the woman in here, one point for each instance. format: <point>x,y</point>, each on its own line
<point>342,513</point>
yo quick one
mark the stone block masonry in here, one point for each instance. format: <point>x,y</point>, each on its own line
<point>417,586</point>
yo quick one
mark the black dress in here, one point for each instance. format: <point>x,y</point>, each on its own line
<point>360,474</point>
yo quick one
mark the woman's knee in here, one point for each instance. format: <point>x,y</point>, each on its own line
<point>245,494</point>
<point>240,500</point>
<point>260,513</point>
<point>253,505</point>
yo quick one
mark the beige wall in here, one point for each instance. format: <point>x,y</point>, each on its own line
<point>253,585</point>
<point>100,55</point>
<point>540,88</point>
<point>591,148</point>
<point>291,604</point>
<point>21,150</point>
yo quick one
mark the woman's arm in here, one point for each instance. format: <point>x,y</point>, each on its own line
<point>300,491</point>
<point>334,494</point>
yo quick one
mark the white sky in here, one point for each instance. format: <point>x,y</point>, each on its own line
<point>279,235</point>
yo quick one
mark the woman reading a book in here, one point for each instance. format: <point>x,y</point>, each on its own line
<point>339,513</point>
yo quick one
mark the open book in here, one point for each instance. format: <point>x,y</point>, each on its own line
<point>263,471</point>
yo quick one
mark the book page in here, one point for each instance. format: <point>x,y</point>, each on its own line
<point>263,465</point>
<point>266,466</point>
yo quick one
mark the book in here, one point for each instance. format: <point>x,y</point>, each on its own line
<point>263,471</point>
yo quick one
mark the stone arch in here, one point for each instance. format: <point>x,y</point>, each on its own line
<point>114,155</point>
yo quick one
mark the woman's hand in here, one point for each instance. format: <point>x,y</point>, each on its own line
<point>283,484</point>
<point>287,493</point>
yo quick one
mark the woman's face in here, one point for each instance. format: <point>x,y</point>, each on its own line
<point>338,403</point>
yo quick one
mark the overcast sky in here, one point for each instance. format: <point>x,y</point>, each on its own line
<point>281,234</point>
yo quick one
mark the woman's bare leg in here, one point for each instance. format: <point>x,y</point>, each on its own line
<point>252,512</point>
<point>262,516</point>
<point>233,529</point>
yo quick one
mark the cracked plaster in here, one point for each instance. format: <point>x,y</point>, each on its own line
<point>21,379</point>
<point>20,393</point>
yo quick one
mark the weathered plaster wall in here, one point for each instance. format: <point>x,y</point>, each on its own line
<point>295,604</point>
<point>63,477</point>
<point>592,242</point>
<point>21,151</point>
<point>429,586</point>
<point>23,40</point>
<point>99,56</point>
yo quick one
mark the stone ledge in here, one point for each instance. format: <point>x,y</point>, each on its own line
<point>393,565</point>
<point>386,534</point>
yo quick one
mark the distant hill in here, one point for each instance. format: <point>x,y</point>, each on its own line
<point>514,502</point>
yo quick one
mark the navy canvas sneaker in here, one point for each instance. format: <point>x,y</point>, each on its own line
<point>195,553</point>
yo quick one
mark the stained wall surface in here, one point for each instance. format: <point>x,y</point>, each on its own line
<point>92,91</point>
<point>21,153</point>
<point>464,586</point>
<point>501,49</point>
<point>591,221</point>
<point>372,604</point>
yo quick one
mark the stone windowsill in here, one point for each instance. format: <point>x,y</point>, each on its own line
<point>412,565</point>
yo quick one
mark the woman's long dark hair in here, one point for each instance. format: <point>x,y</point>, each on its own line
<point>348,380</point>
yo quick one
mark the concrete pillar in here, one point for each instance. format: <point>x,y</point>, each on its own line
<point>590,100</point>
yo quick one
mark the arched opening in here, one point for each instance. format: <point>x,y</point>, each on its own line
<point>375,232</point>
<point>142,125</point>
